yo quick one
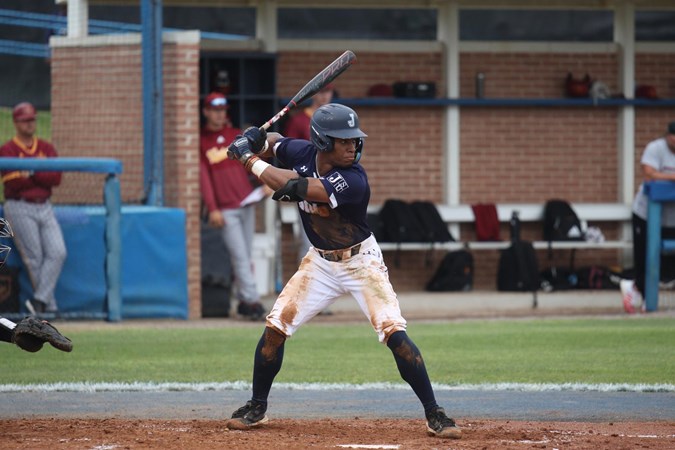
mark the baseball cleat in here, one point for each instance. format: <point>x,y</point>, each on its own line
<point>251,415</point>
<point>251,311</point>
<point>440,425</point>
<point>632,299</point>
<point>35,307</point>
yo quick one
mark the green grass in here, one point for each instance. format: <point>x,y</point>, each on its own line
<point>519,351</point>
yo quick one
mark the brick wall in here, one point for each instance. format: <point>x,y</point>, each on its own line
<point>97,111</point>
<point>509,154</point>
<point>517,154</point>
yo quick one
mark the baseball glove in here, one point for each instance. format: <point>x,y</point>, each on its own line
<point>30,334</point>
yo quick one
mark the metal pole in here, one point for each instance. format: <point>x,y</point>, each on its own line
<point>153,102</point>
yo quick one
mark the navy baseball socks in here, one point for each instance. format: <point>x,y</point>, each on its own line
<point>269,355</point>
<point>412,369</point>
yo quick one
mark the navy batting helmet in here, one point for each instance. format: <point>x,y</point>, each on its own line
<point>335,121</point>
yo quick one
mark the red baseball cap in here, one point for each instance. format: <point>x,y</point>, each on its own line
<point>24,111</point>
<point>215,100</point>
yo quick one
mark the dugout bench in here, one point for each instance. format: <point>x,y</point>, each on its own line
<point>455,215</point>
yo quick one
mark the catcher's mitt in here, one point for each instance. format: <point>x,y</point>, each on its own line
<point>30,334</point>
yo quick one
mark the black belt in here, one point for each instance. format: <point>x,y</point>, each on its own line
<point>341,254</point>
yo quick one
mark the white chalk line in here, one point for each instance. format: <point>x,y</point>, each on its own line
<point>245,386</point>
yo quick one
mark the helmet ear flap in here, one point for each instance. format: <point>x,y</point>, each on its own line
<point>359,150</point>
<point>322,142</point>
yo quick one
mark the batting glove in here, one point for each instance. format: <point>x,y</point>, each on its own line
<point>240,149</point>
<point>257,138</point>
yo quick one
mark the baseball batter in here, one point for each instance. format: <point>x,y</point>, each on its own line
<point>38,235</point>
<point>332,192</point>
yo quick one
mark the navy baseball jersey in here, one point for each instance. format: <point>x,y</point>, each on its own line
<point>340,223</point>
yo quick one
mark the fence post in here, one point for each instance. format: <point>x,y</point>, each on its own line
<point>113,268</point>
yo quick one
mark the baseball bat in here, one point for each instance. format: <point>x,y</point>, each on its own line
<point>320,80</point>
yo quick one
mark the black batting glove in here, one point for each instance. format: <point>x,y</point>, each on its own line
<point>257,138</point>
<point>240,149</point>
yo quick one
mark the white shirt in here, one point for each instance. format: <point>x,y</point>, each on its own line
<point>660,157</point>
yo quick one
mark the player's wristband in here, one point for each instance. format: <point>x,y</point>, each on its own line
<point>259,167</point>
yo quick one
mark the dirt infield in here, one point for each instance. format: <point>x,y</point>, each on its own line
<point>110,434</point>
<point>372,419</point>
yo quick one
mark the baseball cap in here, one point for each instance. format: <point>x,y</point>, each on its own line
<point>671,127</point>
<point>24,111</point>
<point>215,100</point>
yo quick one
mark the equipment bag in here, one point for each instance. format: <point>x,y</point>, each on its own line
<point>561,223</point>
<point>558,279</point>
<point>597,277</point>
<point>518,268</point>
<point>433,227</point>
<point>454,273</point>
<point>400,222</point>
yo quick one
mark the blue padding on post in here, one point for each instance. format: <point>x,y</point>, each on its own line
<point>154,263</point>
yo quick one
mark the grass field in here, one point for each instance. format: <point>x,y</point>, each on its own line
<point>634,351</point>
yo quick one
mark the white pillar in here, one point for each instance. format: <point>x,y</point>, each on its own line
<point>624,35</point>
<point>266,25</point>
<point>78,18</point>
<point>448,34</point>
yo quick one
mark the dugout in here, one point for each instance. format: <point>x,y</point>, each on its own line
<point>523,142</point>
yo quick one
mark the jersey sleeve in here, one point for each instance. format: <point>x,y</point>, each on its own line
<point>291,152</point>
<point>651,156</point>
<point>345,186</point>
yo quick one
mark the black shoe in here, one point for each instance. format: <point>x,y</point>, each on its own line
<point>251,311</point>
<point>438,424</point>
<point>35,307</point>
<point>252,414</point>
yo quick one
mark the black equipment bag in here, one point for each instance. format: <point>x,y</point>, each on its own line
<point>597,277</point>
<point>414,89</point>
<point>518,269</point>
<point>561,223</point>
<point>454,273</point>
<point>434,228</point>
<point>399,222</point>
<point>558,279</point>
<point>376,226</point>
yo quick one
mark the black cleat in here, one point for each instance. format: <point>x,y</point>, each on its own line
<point>252,311</point>
<point>440,425</point>
<point>35,307</point>
<point>251,415</point>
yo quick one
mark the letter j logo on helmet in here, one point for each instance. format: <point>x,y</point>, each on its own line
<point>351,122</point>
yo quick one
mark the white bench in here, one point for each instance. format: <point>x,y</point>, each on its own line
<point>454,215</point>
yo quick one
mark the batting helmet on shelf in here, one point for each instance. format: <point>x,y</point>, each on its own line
<point>335,121</point>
